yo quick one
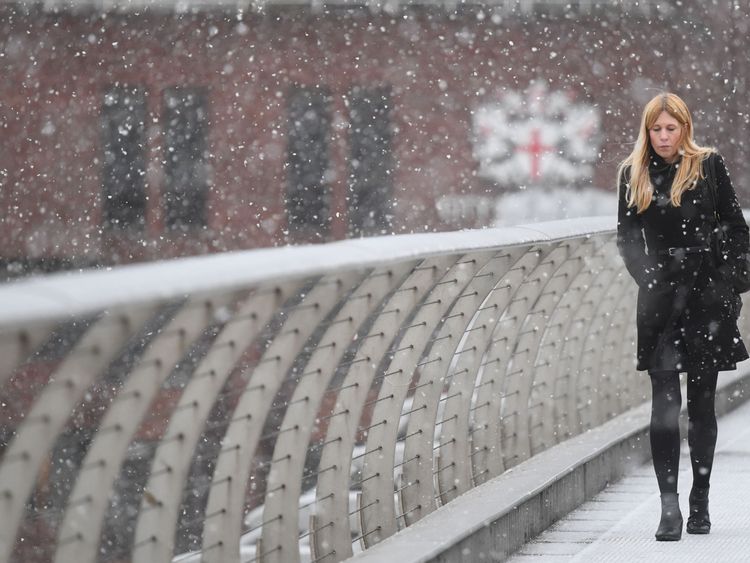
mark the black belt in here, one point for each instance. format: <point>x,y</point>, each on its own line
<point>675,250</point>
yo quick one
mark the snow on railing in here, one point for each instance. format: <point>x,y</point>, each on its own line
<point>299,403</point>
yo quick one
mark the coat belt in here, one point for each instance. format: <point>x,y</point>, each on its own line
<point>675,250</point>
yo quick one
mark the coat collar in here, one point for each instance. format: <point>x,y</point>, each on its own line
<point>658,164</point>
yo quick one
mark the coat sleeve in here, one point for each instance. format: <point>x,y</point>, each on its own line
<point>733,225</point>
<point>630,241</point>
<point>733,222</point>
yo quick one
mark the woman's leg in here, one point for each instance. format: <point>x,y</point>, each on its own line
<point>702,431</point>
<point>665,449</point>
<point>665,430</point>
<point>701,393</point>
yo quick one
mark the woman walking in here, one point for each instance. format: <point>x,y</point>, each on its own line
<point>687,307</point>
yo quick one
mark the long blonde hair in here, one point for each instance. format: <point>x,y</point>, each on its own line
<point>639,191</point>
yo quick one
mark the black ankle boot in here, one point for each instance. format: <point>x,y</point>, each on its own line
<point>670,526</point>
<point>698,521</point>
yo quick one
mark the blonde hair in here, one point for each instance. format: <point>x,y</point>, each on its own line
<point>640,190</point>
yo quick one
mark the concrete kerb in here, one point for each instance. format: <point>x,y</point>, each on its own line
<point>491,521</point>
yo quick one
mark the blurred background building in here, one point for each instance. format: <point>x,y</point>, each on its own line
<point>151,129</point>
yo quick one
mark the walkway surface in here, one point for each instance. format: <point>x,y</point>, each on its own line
<point>619,523</point>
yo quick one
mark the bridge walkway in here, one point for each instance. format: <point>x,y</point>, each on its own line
<point>619,523</point>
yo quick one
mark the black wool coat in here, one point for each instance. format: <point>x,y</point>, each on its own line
<point>687,309</point>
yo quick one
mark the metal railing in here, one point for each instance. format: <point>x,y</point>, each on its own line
<point>506,8</point>
<point>299,403</point>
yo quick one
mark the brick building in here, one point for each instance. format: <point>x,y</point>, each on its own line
<point>141,130</point>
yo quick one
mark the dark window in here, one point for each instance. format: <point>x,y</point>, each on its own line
<point>307,163</point>
<point>185,123</point>
<point>371,164</point>
<point>123,182</point>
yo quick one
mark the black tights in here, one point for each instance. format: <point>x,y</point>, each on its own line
<point>665,430</point>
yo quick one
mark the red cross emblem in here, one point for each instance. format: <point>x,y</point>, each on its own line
<point>535,149</point>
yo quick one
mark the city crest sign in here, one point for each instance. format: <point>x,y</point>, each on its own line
<point>536,136</point>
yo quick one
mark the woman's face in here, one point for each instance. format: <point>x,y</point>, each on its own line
<point>665,135</point>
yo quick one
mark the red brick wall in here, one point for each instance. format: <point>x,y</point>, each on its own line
<point>439,66</point>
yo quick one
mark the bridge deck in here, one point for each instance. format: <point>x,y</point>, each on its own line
<point>619,523</point>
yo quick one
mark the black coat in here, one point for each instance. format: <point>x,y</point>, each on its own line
<point>687,309</point>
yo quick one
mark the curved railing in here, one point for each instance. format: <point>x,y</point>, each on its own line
<point>299,403</point>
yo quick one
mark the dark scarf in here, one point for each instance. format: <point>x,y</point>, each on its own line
<point>662,175</point>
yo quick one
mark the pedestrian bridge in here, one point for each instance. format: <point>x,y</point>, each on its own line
<point>439,396</point>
